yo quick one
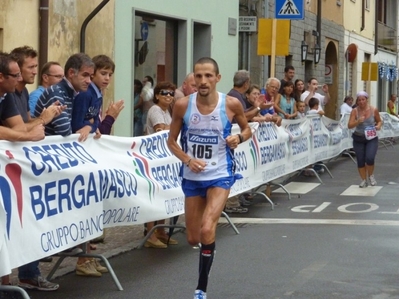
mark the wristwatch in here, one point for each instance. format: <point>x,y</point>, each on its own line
<point>258,108</point>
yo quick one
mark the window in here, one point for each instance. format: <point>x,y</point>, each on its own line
<point>367,4</point>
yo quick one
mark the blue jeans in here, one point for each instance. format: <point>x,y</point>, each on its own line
<point>365,150</point>
<point>29,271</point>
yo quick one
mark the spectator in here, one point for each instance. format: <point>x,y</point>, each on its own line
<point>346,106</point>
<point>159,119</point>
<point>289,74</point>
<point>284,103</point>
<point>12,128</point>
<point>138,109</point>
<point>392,106</point>
<point>299,88</point>
<point>188,87</point>
<point>311,93</point>
<point>301,109</point>
<point>271,87</point>
<point>50,74</point>
<point>147,95</point>
<point>78,70</point>
<point>314,107</point>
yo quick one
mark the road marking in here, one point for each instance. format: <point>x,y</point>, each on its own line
<point>297,187</point>
<point>308,221</point>
<point>354,190</point>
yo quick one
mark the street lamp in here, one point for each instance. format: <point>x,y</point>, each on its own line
<point>304,51</point>
<point>317,51</point>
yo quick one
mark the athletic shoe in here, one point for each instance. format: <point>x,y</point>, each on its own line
<point>363,184</point>
<point>321,170</point>
<point>96,265</point>
<point>39,283</point>
<point>87,269</point>
<point>243,201</point>
<point>198,294</point>
<point>237,210</point>
<point>372,180</point>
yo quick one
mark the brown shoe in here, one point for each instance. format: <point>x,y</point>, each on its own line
<point>96,265</point>
<point>87,269</point>
<point>163,237</point>
<point>154,244</point>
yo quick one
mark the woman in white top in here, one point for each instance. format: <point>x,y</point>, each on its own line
<point>159,119</point>
<point>346,107</point>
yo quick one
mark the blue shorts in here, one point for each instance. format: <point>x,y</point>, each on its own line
<point>199,188</point>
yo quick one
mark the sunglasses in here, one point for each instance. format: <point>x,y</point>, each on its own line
<point>166,93</point>
<point>17,75</point>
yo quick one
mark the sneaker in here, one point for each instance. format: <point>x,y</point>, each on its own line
<point>243,201</point>
<point>39,283</point>
<point>87,269</point>
<point>363,184</point>
<point>321,170</point>
<point>237,210</point>
<point>96,265</point>
<point>198,294</point>
<point>372,180</point>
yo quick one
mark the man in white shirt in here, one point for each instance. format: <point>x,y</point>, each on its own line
<point>311,93</point>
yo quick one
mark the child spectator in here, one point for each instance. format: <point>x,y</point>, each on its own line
<point>301,107</point>
<point>314,107</point>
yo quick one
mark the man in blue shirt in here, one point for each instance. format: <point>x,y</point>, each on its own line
<point>50,74</point>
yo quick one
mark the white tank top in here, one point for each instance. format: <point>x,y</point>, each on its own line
<point>204,137</point>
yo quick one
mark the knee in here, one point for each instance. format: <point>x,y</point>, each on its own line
<point>193,241</point>
<point>370,161</point>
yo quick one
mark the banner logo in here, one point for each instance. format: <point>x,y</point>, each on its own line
<point>13,171</point>
<point>142,170</point>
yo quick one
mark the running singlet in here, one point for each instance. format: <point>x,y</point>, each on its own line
<point>204,137</point>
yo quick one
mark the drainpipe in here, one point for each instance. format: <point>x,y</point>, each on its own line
<point>265,58</point>
<point>86,21</point>
<point>319,22</point>
<point>43,32</point>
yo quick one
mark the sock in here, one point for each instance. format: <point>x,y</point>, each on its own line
<point>207,252</point>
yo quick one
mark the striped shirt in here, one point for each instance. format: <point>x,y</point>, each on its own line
<point>65,94</point>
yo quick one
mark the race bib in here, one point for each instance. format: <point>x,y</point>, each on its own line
<point>370,132</point>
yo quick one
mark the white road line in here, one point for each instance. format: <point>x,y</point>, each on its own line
<point>309,221</point>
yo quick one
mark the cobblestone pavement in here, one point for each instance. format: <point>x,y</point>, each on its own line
<point>117,240</point>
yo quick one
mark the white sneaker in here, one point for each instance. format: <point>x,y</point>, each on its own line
<point>363,184</point>
<point>198,294</point>
<point>372,180</point>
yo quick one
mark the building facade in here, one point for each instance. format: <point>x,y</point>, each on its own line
<point>162,39</point>
<point>367,27</point>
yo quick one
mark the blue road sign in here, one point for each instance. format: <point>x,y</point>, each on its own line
<point>144,31</point>
<point>289,9</point>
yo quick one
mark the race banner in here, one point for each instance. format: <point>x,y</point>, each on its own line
<point>58,192</point>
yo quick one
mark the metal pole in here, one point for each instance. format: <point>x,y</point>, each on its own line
<point>265,58</point>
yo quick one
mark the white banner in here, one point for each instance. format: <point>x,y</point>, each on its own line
<point>58,193</point>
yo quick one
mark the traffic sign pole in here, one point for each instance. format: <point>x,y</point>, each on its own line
<point>273,56</point>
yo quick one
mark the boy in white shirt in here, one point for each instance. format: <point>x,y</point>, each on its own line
<point>314,107</point>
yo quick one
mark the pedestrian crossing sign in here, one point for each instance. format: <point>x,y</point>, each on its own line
<point>289,9</point>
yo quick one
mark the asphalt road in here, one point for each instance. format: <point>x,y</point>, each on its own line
<point>320,244</point>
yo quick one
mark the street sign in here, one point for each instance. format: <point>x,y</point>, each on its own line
<point>247,24</point>
<point>289,9</point>
<point>144,31</point>
<point>328,76</point>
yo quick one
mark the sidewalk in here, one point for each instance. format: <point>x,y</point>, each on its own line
<point>117,240</point>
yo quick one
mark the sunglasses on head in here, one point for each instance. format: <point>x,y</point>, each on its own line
<point>167,92</point>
